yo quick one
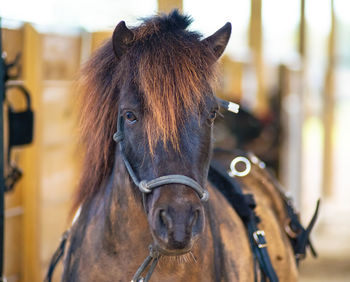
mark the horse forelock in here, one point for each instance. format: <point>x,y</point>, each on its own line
<point>174,72</point>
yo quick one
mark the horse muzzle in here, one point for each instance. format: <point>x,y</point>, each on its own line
<point>176,226</point>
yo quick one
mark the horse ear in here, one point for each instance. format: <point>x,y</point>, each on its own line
<point>122,37</point>
<point>219,39</point>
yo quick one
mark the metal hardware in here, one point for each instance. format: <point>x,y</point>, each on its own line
<point>234,172</point>
<point>289,230</point>
<point>255,160</point>
<point>259,238</point>
<point>230,106</point>
<point>13,176</point>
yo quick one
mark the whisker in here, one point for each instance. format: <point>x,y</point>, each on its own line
<point>194,258</point>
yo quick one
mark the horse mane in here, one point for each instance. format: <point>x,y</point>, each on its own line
<point>173,70</point>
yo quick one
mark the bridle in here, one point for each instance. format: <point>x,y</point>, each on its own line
<point>147,186</point>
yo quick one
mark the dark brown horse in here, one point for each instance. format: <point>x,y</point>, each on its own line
<point>154,83</point>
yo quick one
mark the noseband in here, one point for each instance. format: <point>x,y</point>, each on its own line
<point>146,186</point>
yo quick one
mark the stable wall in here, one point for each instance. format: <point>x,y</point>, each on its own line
<point>37,209</point>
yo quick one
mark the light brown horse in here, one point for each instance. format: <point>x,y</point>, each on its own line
<point>154,83</point>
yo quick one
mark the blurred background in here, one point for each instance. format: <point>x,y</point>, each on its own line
<point>287,64</point>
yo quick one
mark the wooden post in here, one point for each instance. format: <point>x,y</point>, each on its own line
<point>256,45</point>
<point>98,38</point>
<point>302,30</point>
<point>165,6</point>
<point>328,110</point>
<point>31,69</point>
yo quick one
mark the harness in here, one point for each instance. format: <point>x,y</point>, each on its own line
<point>244,204</point>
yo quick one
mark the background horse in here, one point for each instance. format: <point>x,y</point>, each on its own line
<point>154,83</point>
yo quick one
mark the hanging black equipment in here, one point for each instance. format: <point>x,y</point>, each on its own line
<point>2,179</point>
<point>20,132</point>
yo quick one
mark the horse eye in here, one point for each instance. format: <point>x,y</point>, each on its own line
<point>212,116</point>
<point>130,117</point>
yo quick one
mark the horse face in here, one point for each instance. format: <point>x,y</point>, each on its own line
<point>168,94</point>
<point>175,212</point>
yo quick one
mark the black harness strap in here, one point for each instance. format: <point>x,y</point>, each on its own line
<point>244,205</point>
<point>298,235</point>
<point>57,256</point>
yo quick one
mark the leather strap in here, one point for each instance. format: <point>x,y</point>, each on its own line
<point>57,256</point>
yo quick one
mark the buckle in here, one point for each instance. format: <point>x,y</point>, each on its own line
<point>289,230</point>
<point>300,256</point>
<point>259,238</point>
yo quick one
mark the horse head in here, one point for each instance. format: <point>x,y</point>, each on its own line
<point>158,86</point>
<point>167,108</point>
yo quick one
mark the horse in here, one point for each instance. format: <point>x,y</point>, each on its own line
<point>148,111</point>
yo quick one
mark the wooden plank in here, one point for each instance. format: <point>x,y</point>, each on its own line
<point>12,44</point>
<point>302,30</point>
<point>50,165</point>
<point>232,78</point>
<point>290,160</point>
<point>165,6</point>
<point>59,161</point>
<point>60,119</point>
<point>60,57</point>
<point>98,38</point>
<point>255,43</point>
<point>328,117</point>
<point>14,245</point>
<point>31,161</point>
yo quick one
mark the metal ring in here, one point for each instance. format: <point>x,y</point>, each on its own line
<point>235,172</point>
